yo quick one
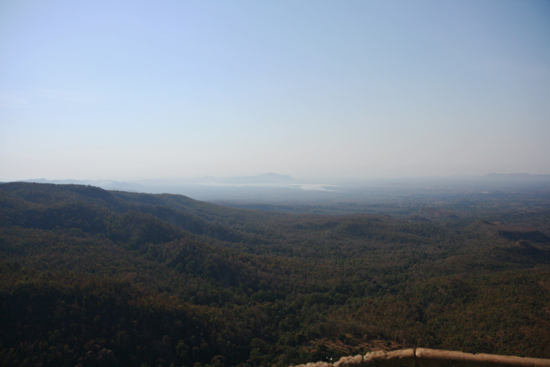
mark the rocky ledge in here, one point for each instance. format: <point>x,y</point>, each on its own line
<point>423,357</point>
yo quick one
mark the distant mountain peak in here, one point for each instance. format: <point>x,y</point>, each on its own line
<point>515,176</point>
<point>505,175</point>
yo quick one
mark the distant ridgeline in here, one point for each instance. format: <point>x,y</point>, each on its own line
<point>109,278</point>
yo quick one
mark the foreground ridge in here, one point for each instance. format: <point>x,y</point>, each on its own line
<point>424,357</point>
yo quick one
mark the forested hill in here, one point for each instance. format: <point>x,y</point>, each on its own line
<point>95,277</point>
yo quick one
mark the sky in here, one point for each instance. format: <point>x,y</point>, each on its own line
<point>131,90</point>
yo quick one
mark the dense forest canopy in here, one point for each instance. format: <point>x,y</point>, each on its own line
<point>106,278</point>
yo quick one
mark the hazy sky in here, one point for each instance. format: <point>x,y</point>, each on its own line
<point>367,89</point>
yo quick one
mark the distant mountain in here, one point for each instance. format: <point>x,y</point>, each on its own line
<point>262,179</point>
<point>104,184</point>
<point>265,178</point>
<point>516,176</point>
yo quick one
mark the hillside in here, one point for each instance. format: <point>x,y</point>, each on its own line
<point>96,277</point>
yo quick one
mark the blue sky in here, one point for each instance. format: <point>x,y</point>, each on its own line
<point>131,90</point>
